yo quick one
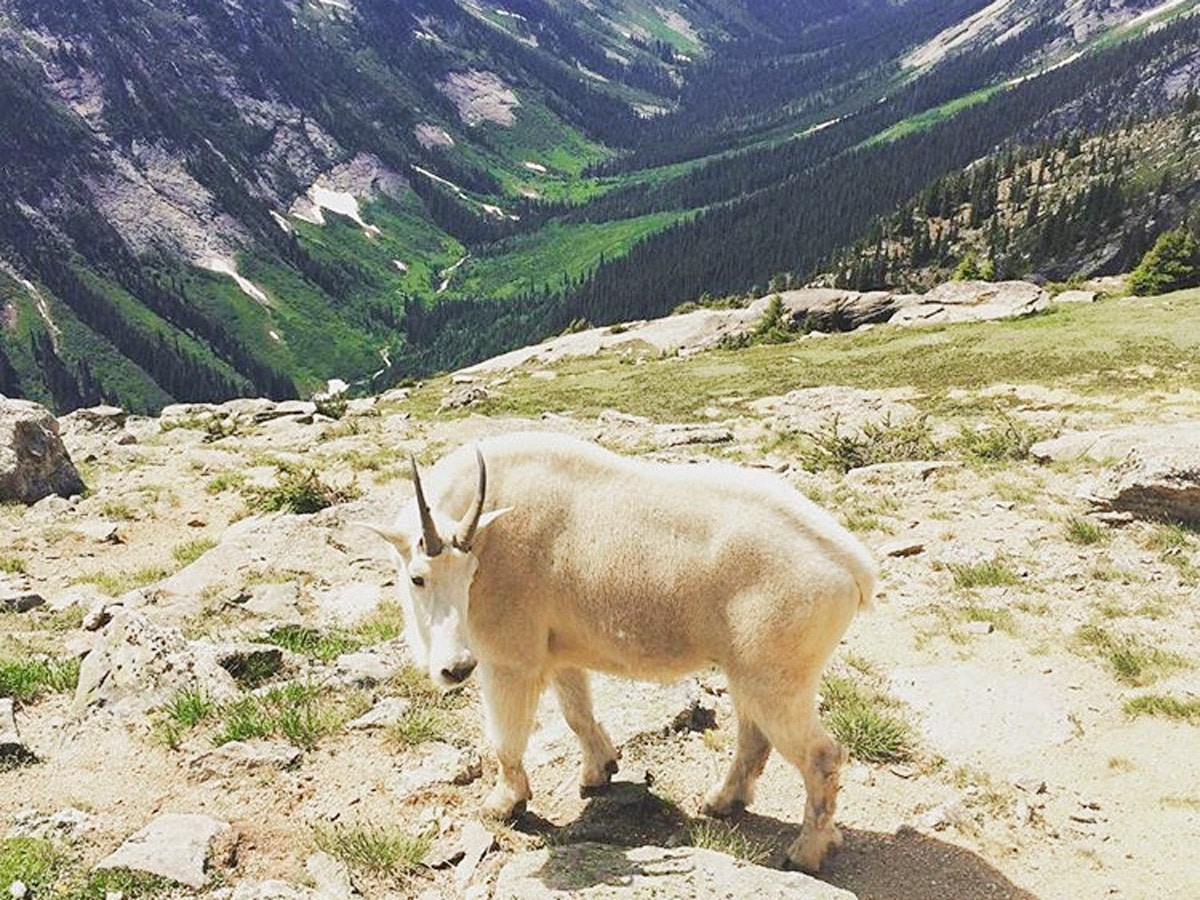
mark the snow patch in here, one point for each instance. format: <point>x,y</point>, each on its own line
<point>400,265</point>
<point>223,266</point>
<point>282,222</point>
<point>337,4</point>
<point>274,335</point>
<point>43,311</point>
<point>534,167</point>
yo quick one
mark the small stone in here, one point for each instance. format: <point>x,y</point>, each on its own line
<point>476,842</point>
<point>905,771</point>
<point>17,890</point>
<point>386,712</point>
<point>1031,784</point>
<point>901,547</point>
<point>944,815</point>
<point>244,756</point>
<point>331,876</point>
<point>979,628</point>
<point>17,600</point>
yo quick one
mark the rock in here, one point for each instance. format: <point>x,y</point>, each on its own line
<point>973,301</point>
<point>331,876</point>
<point>138,665</point>
<point>814,410</point>
<point>978,627</point>
<point>366,668</point>
<point>944,815</point>
<point>276,602</point>
<point>174,846</point>
<point>33,461</point>
<point>476,842</point>
<point>349,604</point>
<point>436,763</point>
<point>591,871</point>
<point>66,823</point>
<point>901,547</point>
<point>12,749</point>
<point>1159,479</point>
<point>18,600</point>
<point>464,395</point>
<point>93,419</point>
<point>1075,297</point>
<point>1031,784</point>
<point>100,531</point>
<point>244,756</point>
<point>17,890</point>
<point>683,435</point>
<point>386,712</point>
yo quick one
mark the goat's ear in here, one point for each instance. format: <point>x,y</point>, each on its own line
<point>491,516</point>
<point>397,539</point>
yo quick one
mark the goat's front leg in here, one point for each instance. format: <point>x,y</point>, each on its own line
<point>599,755</point>
<point>510,701</point>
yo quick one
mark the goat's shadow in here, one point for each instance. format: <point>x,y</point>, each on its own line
<point>873,865</point>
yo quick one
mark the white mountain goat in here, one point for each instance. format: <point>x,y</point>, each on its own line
<point>559,557</point>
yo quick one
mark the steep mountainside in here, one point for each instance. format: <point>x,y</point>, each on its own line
<point>201,199</point>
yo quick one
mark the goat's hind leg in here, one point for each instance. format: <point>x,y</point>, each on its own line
<point>736,792</point>
<point>795,730</point>
<point>510,701</point>
<point>599,754</point>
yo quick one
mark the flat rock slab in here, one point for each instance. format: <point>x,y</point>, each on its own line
<point>974,301</point>
<point>244,756</point>
<point>965,709</point>
<point>591,870</point>
<point>174,846</point>
<point>435,763</point>
<point>387,711</point>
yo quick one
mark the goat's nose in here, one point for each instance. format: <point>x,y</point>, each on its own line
<point>459,673</point>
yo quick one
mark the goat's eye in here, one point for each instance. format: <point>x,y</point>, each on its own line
<point>418,581</point>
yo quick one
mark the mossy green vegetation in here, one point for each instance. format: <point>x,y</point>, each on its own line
<point>26,680</point>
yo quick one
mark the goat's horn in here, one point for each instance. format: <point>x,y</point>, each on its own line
<point>466,528</point>
<point>433,543</point>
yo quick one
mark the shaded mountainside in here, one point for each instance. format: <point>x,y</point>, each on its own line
<point>200,200</point>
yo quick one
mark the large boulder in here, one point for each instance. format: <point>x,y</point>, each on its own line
<point>33,461</point>
<point>973,301</point>
<point>138,665</point>
<point>603,871</point>
<point>1158,478</point>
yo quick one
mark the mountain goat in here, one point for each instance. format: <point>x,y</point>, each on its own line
<point>559,557</point>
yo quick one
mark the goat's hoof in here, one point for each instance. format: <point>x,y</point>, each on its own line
<point>723,809</point>
<point>503,807</point>
<point>597,782</point>
<point>808,853</point>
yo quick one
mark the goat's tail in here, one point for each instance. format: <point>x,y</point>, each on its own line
<point>866,573</point>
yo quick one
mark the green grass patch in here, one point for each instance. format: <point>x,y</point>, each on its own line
<point>225,481</point>
<point>1130,660</point>
<point>188,552</point>
<point>116,583</point>
<point>12,565</point>
<point>999,618</point>
<point>926,119</point>
<point>1165,705</point>
<point>863,719</point>
<point>49,869</point>
<point>989,573</point>
<point>25,680</point>
<point>1084,531</point>
<point>376,850</point>
<point>1095,348</point>
<point>310,642</point>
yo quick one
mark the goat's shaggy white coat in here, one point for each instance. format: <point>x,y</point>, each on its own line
<point>584,559</point>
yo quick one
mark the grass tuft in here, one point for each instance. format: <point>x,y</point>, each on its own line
<point>876,442</point>
<point>859,716</point>
<point>1130,661</point>
<point>27,679</point>
<point>12,565</point>
<point>991,573</point>
<point>1084,531</point>
<point>727,838</point>
<point>373,849</point>
<point>1165,705</point>
<point>297,491</point>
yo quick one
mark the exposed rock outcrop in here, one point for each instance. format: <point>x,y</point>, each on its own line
<point>33,461</point>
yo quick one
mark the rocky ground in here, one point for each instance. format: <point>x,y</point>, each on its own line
<point>245,712</point>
